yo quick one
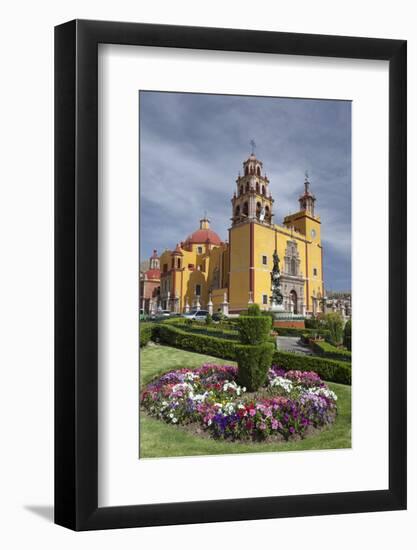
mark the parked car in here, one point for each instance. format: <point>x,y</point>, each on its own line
<point>164,314</point>
<point>196,315</point>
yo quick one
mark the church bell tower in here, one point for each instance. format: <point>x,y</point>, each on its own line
<point>252,200</point>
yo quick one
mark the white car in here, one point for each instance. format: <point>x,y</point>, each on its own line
<point>197,315</point>
<point>165,313</point>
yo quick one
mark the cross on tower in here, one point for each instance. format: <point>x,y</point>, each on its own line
<point>253,145</point>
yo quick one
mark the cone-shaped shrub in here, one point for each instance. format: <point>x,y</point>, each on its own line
<point>254,357</point>
<point>253,364</point>
<point>254,329</point>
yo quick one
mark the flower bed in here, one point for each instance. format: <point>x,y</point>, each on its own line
<point>291,405</point>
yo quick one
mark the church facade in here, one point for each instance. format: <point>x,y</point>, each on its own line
<point>206,272</point>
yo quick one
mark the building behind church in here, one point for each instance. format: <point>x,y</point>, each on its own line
<point>204,271</point>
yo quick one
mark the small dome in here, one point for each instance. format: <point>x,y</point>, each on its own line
<point>153,274</point>
<point>203,236</point>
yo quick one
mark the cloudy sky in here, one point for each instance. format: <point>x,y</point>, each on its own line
<point>192,147</point>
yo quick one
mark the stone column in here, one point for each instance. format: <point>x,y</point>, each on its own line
<point>225,305</point>
<point>176,303</point>
<point>187,305</point>
<point>210,305</point>
<point>197,303</point>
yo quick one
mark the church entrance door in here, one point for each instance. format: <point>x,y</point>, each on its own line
<point>293,298</point>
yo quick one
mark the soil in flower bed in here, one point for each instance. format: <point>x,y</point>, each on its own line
<point>209,403</point>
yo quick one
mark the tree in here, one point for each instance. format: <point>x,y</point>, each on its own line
<point>347,335</point>
<point>334,323</point>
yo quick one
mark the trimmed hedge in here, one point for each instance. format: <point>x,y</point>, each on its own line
<point>328,369</point>
<point>211,330</point>
<point>175,320</point>
<point>253,364</point>
<point>331,352</point>
<point>145,333</point>
<point>254,329</point>
<point>200,343</point>
<point>291,331</point>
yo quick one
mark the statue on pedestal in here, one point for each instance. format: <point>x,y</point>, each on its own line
<point>276,294</point>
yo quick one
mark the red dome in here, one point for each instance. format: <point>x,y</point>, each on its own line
<point>202,236</point>
<point>153,274</point>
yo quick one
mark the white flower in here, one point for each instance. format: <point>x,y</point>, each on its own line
<point>174,420</point>
<point>229,408</point>
<point>322,392</point>
<point>190,376</point>
<point>281,382</point>
<point>199,396</point>
<point>233,386</point>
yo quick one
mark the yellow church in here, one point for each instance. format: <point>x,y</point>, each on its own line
<point>203,271</point>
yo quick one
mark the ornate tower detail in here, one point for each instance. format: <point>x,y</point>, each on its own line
<point>252,200</point>
<point>154,260</point>
<point>292,259</point>
<point>307,199</point>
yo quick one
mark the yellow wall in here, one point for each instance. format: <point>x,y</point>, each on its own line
<point>236,277</point>
<point>239,267</point>
<point>264,245</point>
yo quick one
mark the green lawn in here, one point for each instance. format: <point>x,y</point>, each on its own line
<point>158,439</point>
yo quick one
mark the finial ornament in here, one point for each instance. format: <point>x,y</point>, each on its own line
<point>253,145</point>
<point>306,175</point>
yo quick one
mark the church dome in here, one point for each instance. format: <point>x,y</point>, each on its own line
<point>204,235</point>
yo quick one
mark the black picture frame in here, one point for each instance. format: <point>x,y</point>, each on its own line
<point>76,273</point>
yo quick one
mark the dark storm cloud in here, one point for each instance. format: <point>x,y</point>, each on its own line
<point>192,147</point>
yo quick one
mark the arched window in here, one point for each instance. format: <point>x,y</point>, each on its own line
<point>245,209</point>
<point>237,211</point>
<point>178,263</point>
<point>241,189</point>
<point>263,189</point>
<point>293,267</point>
<point>258,209</point>
<point>267,213</point>
<point>247,187</point>
<point>246,170</point>
<point>257,187</point>
<point>258,171</point>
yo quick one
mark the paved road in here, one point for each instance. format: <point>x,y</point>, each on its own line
<point>291,343</point>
